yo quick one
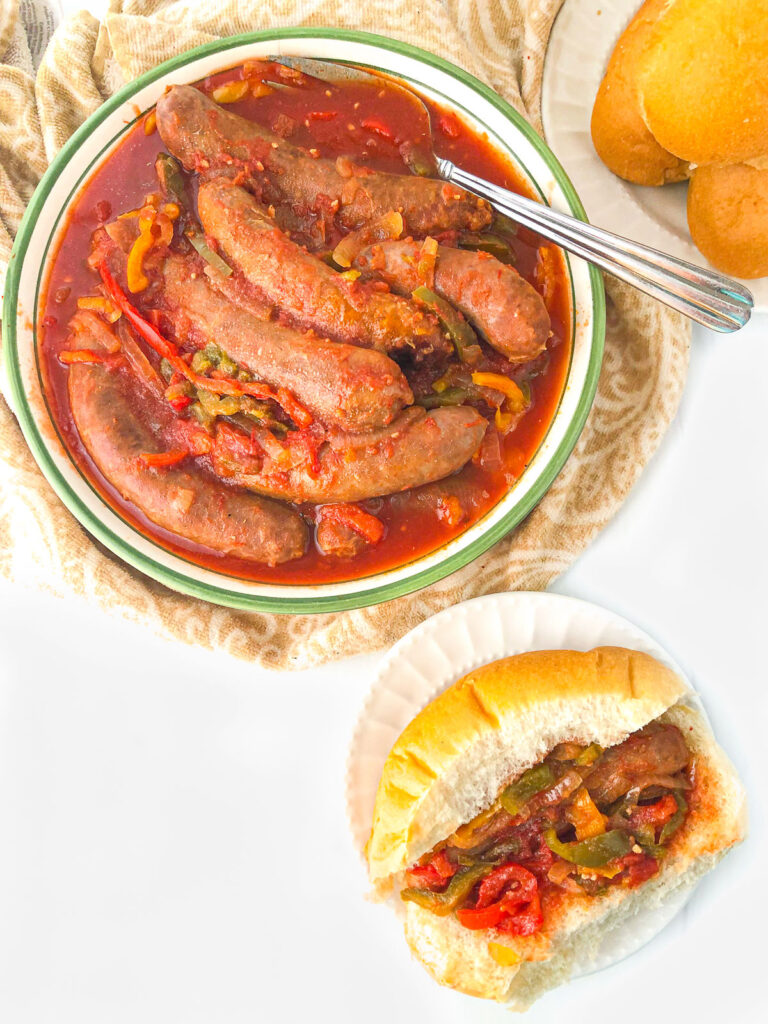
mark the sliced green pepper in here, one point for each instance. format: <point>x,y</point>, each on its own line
<point>459,887</point>
<point>450,396</point>
<point>494,245</point>
<point>197,238</point>
<point>590,853</point>
<point>455,326</point>
<point>168,171</point>
<point>591,753</point>
<point>516,796</point>
<point>646,838</point>
<point>676,820</point>
<point>201,363</point>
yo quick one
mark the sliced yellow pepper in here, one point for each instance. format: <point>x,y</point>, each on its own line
<point>514,402</point>
<point>585,817</point>
<point>137,279</point>
<point>505,385</point>
<point>503,954</point>
<point>101,305</point>
<point>230,92</point>
<point>150,122</point>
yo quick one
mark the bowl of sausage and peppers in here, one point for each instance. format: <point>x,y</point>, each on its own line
<point>267,359</point>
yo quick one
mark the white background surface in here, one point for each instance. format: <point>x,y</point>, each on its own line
<point>174,843</point>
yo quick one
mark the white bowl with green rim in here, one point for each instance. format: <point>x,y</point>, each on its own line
<point>43,222</point>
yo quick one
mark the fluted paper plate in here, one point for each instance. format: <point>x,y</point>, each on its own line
<point>449,645</point>
<point>580,45</point>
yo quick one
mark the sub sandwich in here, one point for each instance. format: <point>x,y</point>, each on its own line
<point>536,805</point>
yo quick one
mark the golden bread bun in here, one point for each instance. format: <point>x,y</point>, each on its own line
<point>452,759</point>
<point>728,217</point>
<point>703,80</point>
<point>619,134</point>
<point>498,721</point>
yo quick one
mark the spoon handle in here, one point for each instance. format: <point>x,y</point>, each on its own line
<point>703,295</point>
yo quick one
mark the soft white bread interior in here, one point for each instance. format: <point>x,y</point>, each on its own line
<point>457,751</point>
<point>451,761</point>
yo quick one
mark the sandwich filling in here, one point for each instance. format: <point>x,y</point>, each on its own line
<point>581,821</point>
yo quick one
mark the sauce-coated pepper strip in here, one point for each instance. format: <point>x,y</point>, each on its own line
<point>363,523</point>
<point>161,459</point>
<point>222,386</point>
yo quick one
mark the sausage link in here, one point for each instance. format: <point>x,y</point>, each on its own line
<point>308,291</point>
<point>344,386</point>
<point>417,448</point>
<point>208,139</point>
<point>105,404</point>
<point>507,311</point>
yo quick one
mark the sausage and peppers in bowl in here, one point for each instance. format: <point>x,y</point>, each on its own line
<point>265,357</point>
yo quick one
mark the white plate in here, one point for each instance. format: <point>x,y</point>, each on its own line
<point>448,646</point>
<point>581,43</point>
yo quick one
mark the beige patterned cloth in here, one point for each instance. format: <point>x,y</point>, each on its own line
<point>503,43</point>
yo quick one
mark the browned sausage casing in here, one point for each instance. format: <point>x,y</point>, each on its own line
<point>658,749</point>
<point>208,139</point>
<point>508,311</point>
<point>308,291</point>
<point>417,448</point>
<point>344,386</point>
<point>186,503</point>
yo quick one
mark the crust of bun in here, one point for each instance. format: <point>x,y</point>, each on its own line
<point>576,927</point>
<point>728,217</point>
<point>619,133</point>
<point>453,758</point>
<point>702,81</point>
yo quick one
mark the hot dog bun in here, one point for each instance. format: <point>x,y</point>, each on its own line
<point>454,757</point>
<point>702,80</point>
<point>728,217</point>
<point>619,133</point>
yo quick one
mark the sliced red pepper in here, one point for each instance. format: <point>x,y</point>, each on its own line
<point>169,351</point>
<point>81,355</point>
<point>162,459</point>
<point>375,124</point>
<point>498,882</point>
<point>180,403</point>
<point>436,872</point>
<point>638,868</point>
<point>449,126</point>
<point>485,917</point>
<point>525,920</point>
<point>654,814</point>
<point>371,529</point>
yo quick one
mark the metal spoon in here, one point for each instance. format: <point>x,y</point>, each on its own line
<point>709,298</point>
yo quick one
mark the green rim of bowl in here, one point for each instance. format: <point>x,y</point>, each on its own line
<point>264,602</point>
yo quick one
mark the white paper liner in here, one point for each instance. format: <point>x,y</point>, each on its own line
<point>449,645</point>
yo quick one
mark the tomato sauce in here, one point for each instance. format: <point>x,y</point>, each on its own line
<point>367,124</point>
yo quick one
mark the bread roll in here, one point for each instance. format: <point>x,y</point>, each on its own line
<point>458,753</point>
<point>728,217</point>
<point>703,80</point>
<point>620,136</point>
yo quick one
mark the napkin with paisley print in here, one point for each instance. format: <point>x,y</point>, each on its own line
<point>502,42</point>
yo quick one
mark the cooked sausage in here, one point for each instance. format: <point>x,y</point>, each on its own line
<point>308,291</point>
<point>344,386</point>
<point>208,139</point>
<point>189,504</point>
<point>507,311</point>
<point>657,749</point>
<point>417,448</point>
